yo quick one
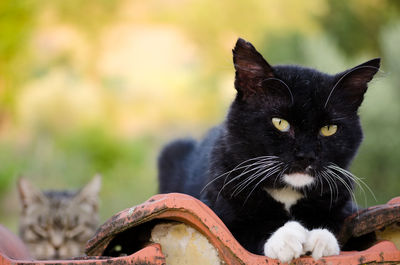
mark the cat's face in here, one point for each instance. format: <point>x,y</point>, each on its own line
<point>57,224</point>
<point>298,126</point>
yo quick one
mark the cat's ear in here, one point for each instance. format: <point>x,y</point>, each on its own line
<point>251,68</point>
<point>89,194</point>
<point>29,194</point>
<point>352,85</point>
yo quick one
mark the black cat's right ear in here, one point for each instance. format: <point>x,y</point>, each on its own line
<point>352,85</point>
<point>251,68</point>
<point>29,195</point>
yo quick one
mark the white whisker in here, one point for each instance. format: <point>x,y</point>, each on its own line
<point>346,185</point>
<point>328,180</point>
<point>238,167</point>
<point>246,171</point>
<point>249,180</point>
<point>264,178</point>
<point>358,181</point>
<point>243,168</point>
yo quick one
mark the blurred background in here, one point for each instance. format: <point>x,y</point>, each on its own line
<point>98,86</point>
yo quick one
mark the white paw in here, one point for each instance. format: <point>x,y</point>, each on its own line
<point>321,242</point>
<point>286,243</point>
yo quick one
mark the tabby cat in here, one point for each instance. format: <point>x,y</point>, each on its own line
<point>57,224</point>
<point>275,171</point>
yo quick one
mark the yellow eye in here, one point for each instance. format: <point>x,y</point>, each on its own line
<point>328,130</point>
<point>281,124</point>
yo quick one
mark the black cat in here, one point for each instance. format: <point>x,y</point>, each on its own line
<point>275,170</point>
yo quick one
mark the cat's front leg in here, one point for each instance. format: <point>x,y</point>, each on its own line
<point>321,242</point>
<point>287,242</point>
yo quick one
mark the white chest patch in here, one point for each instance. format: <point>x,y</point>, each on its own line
<point>298,180</point>
<point>287,196</point>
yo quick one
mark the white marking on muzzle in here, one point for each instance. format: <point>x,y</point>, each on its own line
<point>298,180</point>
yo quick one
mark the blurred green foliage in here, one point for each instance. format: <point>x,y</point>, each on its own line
<point>353,24</point>
<point>93,86</point>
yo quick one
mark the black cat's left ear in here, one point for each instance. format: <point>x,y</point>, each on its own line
<point>251,68</point>
<point>353,83</point>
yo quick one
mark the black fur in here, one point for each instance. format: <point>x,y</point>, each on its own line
<point>308,100</point>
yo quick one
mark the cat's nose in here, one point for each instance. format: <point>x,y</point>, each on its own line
<point>305,156</point>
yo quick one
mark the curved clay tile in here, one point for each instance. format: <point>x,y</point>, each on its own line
<point>136,224</point>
